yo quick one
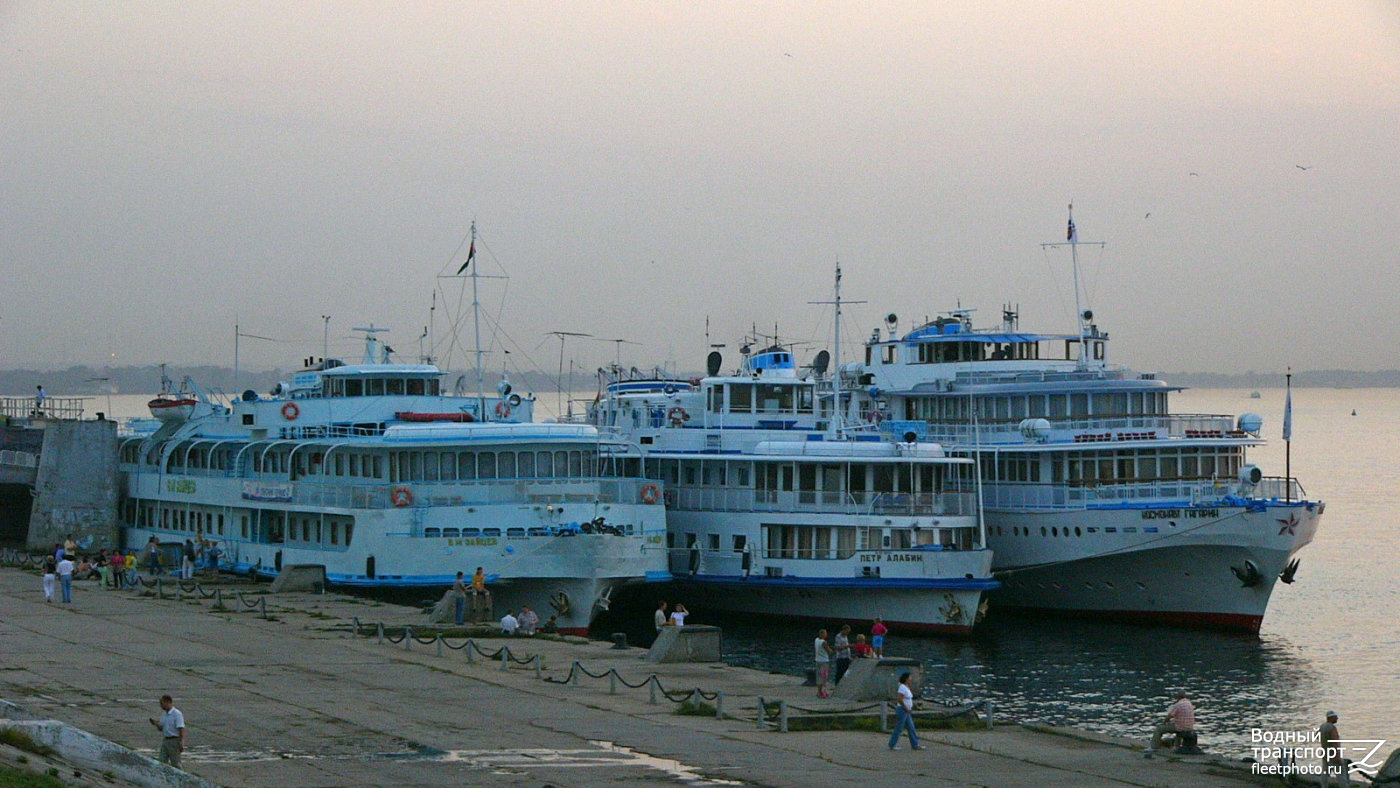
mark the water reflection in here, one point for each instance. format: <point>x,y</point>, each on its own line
<point>1113,678</point>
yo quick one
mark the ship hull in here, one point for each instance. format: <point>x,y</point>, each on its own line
<point>1203,567</point>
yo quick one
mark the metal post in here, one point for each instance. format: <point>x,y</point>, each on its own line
<point>407,639</point>
<point>612,681</point>
<point>719,704</point>
<point>782,716</point>
<point>653,681</point>
<point>160,590</point>
<point>538,665</point>
<point>505,657</point>
<point>989,714</point>
<point>219,605</point>
<point>439,644</point>
<point>573,673</point>
<point>884,716</point>
<point>379,629</point>
<point>470,647</point>
<point>263,604</point>
<point>762,713</point>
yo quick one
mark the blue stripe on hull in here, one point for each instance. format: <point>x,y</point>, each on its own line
<point>932,584</point>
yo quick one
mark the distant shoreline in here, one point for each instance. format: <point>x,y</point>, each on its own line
<point>84,380</point>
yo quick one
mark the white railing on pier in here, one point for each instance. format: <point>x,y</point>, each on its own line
<point>61,408</point>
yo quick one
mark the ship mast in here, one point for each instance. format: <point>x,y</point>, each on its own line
<point>836,415</point>
<point>1082,316</point>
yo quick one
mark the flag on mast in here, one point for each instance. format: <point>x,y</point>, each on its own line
<point>1070,235</point>
<point>1288,414</point>
<point>471,253</point>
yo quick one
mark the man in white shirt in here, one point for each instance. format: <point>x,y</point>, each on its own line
<point>65,577</point>
<point>509,623</point>
<point>172,727</point>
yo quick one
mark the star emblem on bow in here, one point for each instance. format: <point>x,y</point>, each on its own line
<point>1289,526</point>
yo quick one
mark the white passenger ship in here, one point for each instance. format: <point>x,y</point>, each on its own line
<point>772,510</point>
<point>374,472</point>
<point>1099,500</point>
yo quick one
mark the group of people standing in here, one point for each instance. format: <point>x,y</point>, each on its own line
<point>843,651</point>
<point>527,622</point>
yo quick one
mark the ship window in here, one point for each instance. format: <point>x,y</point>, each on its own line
<point>505,464</point>
<point>451,532</point>
<point>515,533</point>
<point>1077,532</point>
<point>490,532</point>
<point>576,465</point>
<point>348,529</point>
<point>415,386</point>
<point>432,533</point>
<point>561,463</point>
<point>740,398</point>
<point>394,386</point>
<point>448,461</point>
<point>1055,531</point>
<point>354,388</point>
<point>887,354</point>
<point>466,465</point>
<point>713,540</point>
<point>486,465</point>
<point>1042,530</point>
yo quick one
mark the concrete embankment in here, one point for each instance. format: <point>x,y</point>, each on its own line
<point>294,697</point>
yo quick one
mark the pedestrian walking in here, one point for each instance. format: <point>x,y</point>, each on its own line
<point>903,715</point>
<point>821,657</point>
<point>65,578</point>
<point>459,598</point>
<point>50,576</point>
<point>172,729</point>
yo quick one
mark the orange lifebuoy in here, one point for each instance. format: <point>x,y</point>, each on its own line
<point>678,416</point>
<point>650,493</point>
<point>402,496</point>
<point>290,411</point>
<point>503,409</point>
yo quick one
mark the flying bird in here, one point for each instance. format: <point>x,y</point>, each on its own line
<point>1147,215</point>
<point>1195,174</point>
<point>1301,167</point>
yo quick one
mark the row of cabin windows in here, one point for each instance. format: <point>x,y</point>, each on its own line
<point>950,352</point>
<point>803,477</point>
<point>431,466</point>
<point>1016,407</point>
<point>510,533</point>
<point>189,519</point>
<point>1116,467</point>
<point>840,542</point>
<point>791,398</point>
<point>378,387</point>
<point>275,527</point>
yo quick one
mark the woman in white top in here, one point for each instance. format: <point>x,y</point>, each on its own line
<point>678,615</point>
<point>821,655</point>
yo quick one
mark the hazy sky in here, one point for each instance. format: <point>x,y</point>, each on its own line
<point>170,169</point>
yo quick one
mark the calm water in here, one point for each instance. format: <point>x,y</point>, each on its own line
<point>1328,641</point>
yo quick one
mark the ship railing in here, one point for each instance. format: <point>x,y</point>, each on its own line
<point>384,495</point>
<point>1101,428</point>
<point>1031,496</point>
<point>725,499</point>
<point>54,408</point>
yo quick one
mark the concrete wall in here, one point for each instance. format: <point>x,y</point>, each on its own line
<point>875,679</point>
<point>690,643</point>
<point>76,487</point>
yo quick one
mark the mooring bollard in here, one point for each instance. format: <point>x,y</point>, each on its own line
<point>719,704</point>
<point>782,716</point>
<point>407,639</point>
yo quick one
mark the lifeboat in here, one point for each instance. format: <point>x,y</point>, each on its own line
<point>171,408</point>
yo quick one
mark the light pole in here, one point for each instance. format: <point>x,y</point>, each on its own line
<point>325,339</point>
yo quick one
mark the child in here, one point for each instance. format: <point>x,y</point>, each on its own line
<point>877,637</point>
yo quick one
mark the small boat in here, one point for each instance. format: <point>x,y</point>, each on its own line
<point>1254,395</point>
<point>171,408</point>
<point>171,404</point>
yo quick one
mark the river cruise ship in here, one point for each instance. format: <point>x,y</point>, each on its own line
<point>378,474</point>
<point>1099,499</point>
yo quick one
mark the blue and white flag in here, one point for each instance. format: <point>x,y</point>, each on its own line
<point>1288,415</point>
